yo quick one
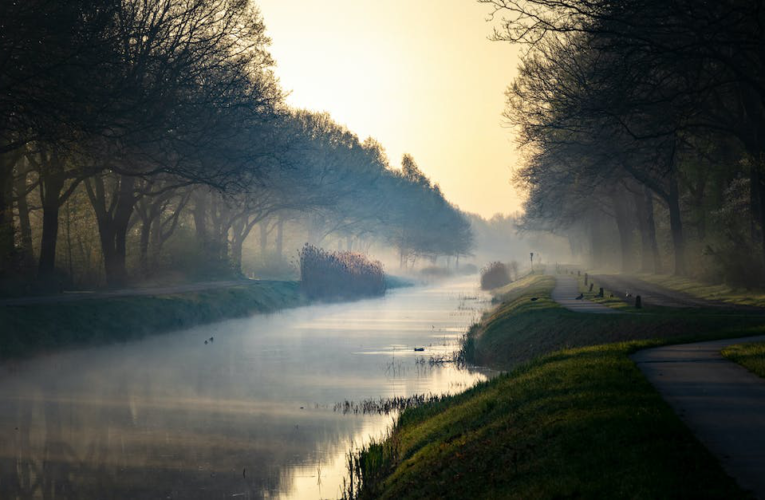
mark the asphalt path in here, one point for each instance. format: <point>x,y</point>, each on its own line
<point>566,292</point>
<point>721,402</point>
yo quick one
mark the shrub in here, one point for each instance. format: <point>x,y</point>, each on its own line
<point>494,275</point>
<point>339,274</point>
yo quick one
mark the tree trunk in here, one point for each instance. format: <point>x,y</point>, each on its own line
<point>236,253</point>
<point>113,223</point>
<point>651,226</point>
<point>280,238</point>
<point>263,238</point>
<point>676,227</point>
<point>25,227</point>
<point>155,246</point>
<point>200,221</point>
<point>51,185</point>
<point>6,213</point>
<point>624,226</point>
<point>122,215</point>
<point>143,246</point>
<point>650,261</point>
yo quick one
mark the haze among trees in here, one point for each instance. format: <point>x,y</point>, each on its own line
<point>641,123</point>
<point>141,140</point>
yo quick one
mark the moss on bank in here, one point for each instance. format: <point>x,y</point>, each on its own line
<point>30,329</point>
<point>564,423</point>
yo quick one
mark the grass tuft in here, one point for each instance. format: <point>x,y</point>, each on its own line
<point>749,355</point>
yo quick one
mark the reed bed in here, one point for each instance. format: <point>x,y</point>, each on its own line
<point>326,274</point>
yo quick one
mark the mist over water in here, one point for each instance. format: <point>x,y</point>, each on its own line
<point>248,415</point>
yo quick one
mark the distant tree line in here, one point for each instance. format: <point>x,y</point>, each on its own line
<point>131,131</point>
<point>642,123</point>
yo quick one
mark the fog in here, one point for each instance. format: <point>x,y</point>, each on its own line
<point>250,413</point>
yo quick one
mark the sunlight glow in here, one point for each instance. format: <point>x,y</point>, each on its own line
<point>420,77</point>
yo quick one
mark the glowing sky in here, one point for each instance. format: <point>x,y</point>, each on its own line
<point>420,76</point>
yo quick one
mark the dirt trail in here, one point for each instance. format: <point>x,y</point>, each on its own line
<point>126,292</point>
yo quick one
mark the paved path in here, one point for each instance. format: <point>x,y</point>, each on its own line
<point>565,292</point>
<point>720,401</point>
<point>656,295</point>
<point>127,292</point>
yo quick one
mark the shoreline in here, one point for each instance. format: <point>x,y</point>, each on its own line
<point>32,329</point>
<point>571,401</point>
<point>39,325</point>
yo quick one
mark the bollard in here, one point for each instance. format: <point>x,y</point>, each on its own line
<point>638,302</point>
<point>591,285</point>
<point>586,279</point>
<point>600,294</point>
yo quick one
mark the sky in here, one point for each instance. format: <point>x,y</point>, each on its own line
<point>420,76</point>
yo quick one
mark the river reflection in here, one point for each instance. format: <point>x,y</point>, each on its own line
<point>248,415</point>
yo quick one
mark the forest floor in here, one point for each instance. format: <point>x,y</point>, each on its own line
<point>573,402</point>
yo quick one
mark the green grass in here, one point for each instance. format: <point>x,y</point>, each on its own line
<point>707,291</point>
<point>518,330</point>
<point>31,329</point>
<point>579,423</point>
<point>750,355</point>
<point>565,422</point>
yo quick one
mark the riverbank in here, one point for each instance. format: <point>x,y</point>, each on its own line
<point>573,418</point>
<point>34,328</point>
<point>520,329</point>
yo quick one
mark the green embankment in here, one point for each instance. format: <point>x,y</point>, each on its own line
<point>750,355</point>
<point>31,329</point>
<point>519,330</point>
<point>564,423</point>
<point>724,293</point>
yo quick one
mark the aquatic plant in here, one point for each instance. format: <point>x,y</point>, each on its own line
<point>325,274</point>
<point>494,275</point>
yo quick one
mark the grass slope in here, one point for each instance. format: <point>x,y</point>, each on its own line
<point>750,355</point>
<point>33,328</point>
<point>576,424</point>
<point>519,329</point>
<point>707,291</point>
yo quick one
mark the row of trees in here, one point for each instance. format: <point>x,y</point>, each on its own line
<point>131,123</point>
<point>642,125</point>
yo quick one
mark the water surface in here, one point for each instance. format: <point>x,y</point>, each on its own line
<point>247,415</point>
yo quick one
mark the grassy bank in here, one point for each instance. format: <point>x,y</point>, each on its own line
<point>520,329</point>
<point>31,329</point>
<point>724,293</point>
<point>576,424</point>
<point>750,355</point>
<point>565,422</point>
